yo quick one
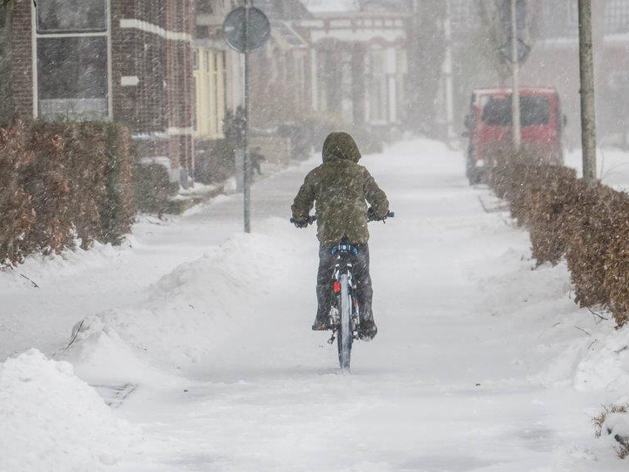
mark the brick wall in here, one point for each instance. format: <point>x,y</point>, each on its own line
<point>151,72</point>
<point>22,58</point>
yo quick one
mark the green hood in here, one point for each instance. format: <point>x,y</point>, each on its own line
<point>340,146</point>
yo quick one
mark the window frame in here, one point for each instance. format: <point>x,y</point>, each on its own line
<point>73,31</point>
<point>36,36</point>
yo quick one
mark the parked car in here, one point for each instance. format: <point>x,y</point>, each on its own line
<point>490,130</point>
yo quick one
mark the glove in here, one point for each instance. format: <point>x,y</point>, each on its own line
<point>300,224</point>
<point>371,216</point>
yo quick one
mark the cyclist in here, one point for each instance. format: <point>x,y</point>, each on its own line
<point>341,189</point>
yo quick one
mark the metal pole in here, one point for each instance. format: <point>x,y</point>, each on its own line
<point>246,164</point>
<point>447,26</point>
<point>515,94</point>
<point>588,120</point>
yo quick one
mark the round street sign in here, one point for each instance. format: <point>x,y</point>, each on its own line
<point>257,30</point>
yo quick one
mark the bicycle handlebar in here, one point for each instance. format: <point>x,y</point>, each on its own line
<point>391,214</point>
<point>311,219</point>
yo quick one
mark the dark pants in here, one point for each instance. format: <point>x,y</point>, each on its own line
<point>362,280</point>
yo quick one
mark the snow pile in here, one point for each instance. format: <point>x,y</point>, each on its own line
<point>607,366</point>
<point>51,420</point>
<point>186,315</point>
<point>613,426</point>
<point>617,424</point>
<point>40,269</point>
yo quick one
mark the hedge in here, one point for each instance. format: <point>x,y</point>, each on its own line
<point>565,218</point>
<point>63,183</point>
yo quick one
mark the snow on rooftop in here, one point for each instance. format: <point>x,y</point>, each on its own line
<point>331,6</point>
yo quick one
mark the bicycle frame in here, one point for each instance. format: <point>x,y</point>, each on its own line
<point>345,309</point>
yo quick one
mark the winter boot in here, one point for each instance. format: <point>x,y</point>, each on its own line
<point>321,324</point>
<point>367,330</point>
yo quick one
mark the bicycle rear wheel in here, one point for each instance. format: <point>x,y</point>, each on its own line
<point>345,335</point>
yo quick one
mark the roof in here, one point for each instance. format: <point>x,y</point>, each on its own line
<point>507,90</point>
<point>332,6</point>
<point>284,9</point>
<point>286,36</point>
<point>212,44</point>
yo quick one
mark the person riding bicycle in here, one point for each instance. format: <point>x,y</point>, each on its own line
<point>341,189</point>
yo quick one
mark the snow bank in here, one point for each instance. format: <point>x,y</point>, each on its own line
<point>576,348</point>
<point>50,420</point>
<point>186,314</point>
<point>39,268</point>
<point>607,366</point>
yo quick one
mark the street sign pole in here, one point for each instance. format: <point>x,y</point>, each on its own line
<point>246,29</point>
<point>515,95</point>
<point>246,166</point>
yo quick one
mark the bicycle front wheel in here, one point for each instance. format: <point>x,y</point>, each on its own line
<point>345,336</point>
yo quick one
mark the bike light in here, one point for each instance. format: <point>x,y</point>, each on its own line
<point>337,287</point>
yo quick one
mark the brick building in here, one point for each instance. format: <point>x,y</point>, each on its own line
<point>123,60</point>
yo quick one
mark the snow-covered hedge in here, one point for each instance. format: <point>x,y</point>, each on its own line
<point>587,226</point>
<point>613,422</point>
<point>63,182</point>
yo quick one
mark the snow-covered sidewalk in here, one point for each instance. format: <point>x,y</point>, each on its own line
<point>481,364</point>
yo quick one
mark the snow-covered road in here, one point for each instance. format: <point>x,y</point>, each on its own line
<point>472,370</point>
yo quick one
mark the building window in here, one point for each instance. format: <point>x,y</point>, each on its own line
<point>573,13</point>
<point>195,93</point>
<point>617,16</point>
<point>73,66</point>
<point>462,13</point>
<point>378,100</point>
<point>225,84</point>
<point>195,60</point>
<point>72,16</point>
<point>205,7</point>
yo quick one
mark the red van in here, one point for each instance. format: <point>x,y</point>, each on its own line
<point>489,127</point>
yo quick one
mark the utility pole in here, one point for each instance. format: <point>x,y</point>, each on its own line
<point>246,164</point>
<point>447,69</point>
<point>515,93</point>
<point>588,116</point>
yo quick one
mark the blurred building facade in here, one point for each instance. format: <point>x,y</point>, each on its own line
<point>325,70</point>
<point>122,60</point>
<point>554,61</point>
<point>359,65</point>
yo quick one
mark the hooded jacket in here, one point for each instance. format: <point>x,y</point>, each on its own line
<point>341,189</point>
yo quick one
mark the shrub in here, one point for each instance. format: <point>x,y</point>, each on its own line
<point>591,222</point>
<point>63,181</point>
<point>17,215</point>
<point>120,206</point>
<point>551,199</point>
<point>565,218</point>
<point>152,188</point>
<point>214,160</point>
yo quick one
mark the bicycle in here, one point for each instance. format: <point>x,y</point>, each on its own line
<point>345,311</point>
